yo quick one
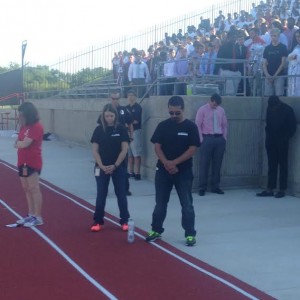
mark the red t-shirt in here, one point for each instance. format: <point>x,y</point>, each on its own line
<point>32,155</point>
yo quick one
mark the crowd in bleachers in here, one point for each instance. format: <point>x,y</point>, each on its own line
<point>233,46</point>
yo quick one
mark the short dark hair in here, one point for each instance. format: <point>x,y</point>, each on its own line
<point>29,112</point>
<point>131,91</point>
<point>176,101</point>
<point>216,98</point>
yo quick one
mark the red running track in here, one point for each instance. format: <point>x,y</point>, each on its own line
<point>63,260</point>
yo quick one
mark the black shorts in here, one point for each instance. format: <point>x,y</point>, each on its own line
<point>30,171</point>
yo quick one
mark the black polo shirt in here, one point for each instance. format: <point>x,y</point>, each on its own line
<point>136,113</point>
<point>110,141</point>
<point>124,115</point>
<point>175,139</point>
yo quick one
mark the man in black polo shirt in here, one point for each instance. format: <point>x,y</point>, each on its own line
<point>175,142</point>
<point>125,118</point>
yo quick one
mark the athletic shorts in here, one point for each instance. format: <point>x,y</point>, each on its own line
<point>29,172</point>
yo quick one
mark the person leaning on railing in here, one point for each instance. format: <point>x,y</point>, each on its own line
<point>274,56</point>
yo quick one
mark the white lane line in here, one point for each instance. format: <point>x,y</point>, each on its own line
<point>227,283</point>
<point>65,256</point>
<point>216,277</point>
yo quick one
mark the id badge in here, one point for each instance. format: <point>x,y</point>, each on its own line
<point>97,171</point>
<point>25,171</point>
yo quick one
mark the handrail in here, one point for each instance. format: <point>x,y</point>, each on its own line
<point>18,95</point>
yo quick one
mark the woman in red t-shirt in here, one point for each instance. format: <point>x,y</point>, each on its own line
<point>29,145</point>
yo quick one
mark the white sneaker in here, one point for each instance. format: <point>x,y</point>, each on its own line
<point>34,222</point>
<point>24,220</point>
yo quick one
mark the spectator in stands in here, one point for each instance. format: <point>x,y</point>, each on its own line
<point>135,146</point>
<point>212,127</point>
<point>253,43</point>
<point>284,12</point>
<point>181,71</point>
<point>169,73</point>
<point>115,63</point>
<point>143,55</point>
<point>125,57</point>
<point>264,33</point>
<point>274,56</point>
<point>162,47</point>
<point>196,58</point>
<point>174,40</point>
<point>153,64</point>
<point>228,22</point>
<point>289,32</point>
<point>180,35</point>
<point>163,57</point>
<point>149,56</point>
<point>167,39</point>
<point>29,146</point>
<point>220,18</point>
<point>110,144</point>
<point>191,31</point>
<point>189,46</point>
<point>241,52</point>
<point>282,38</point>
<point>126,81</point>
<point>208,61</point>
<point>217,43</point>
<point>139,76</point>
<point>294,67</point>
<point>253,10</point>
<point>280,127</point>
<point>235,18</point>
<point>227,66</point>
<point>295,11</point>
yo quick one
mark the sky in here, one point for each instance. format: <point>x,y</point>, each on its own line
<point>55,28</point>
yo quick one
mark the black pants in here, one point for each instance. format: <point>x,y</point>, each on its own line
<point>119,181</point>
<point>164,183</point>
<point>211,151</point>
<point>139,86</point>
<point>277,152</point>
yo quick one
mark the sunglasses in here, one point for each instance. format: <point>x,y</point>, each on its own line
<point>174,113</point>
<point>115,98</point>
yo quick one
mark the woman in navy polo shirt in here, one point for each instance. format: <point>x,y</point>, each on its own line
<point>110,145</point>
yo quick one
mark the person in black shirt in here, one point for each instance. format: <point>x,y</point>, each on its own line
<point>175,142</point>
<point>110,145</point>
<point>280,127</point>
<point>226,65</point>
<point>274,62</point>
<point>125,119</point>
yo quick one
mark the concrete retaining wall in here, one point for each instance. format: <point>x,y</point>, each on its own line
<point>245,159</point>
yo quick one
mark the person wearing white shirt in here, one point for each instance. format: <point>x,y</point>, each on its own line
<point>169,73</point>
<point>139,75</point>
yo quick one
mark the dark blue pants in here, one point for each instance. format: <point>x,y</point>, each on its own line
<point>211,151</point>
<point>119,178</point>
<point>164,183</point>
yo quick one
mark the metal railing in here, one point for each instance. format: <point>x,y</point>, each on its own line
<point>100,57</point>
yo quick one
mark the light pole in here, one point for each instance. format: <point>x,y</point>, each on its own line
<point>24,45</point>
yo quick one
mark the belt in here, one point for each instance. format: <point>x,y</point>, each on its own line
<point>213,135</point>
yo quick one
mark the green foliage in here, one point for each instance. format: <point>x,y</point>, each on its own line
<point>11,67</point>
<point>42,78</point>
